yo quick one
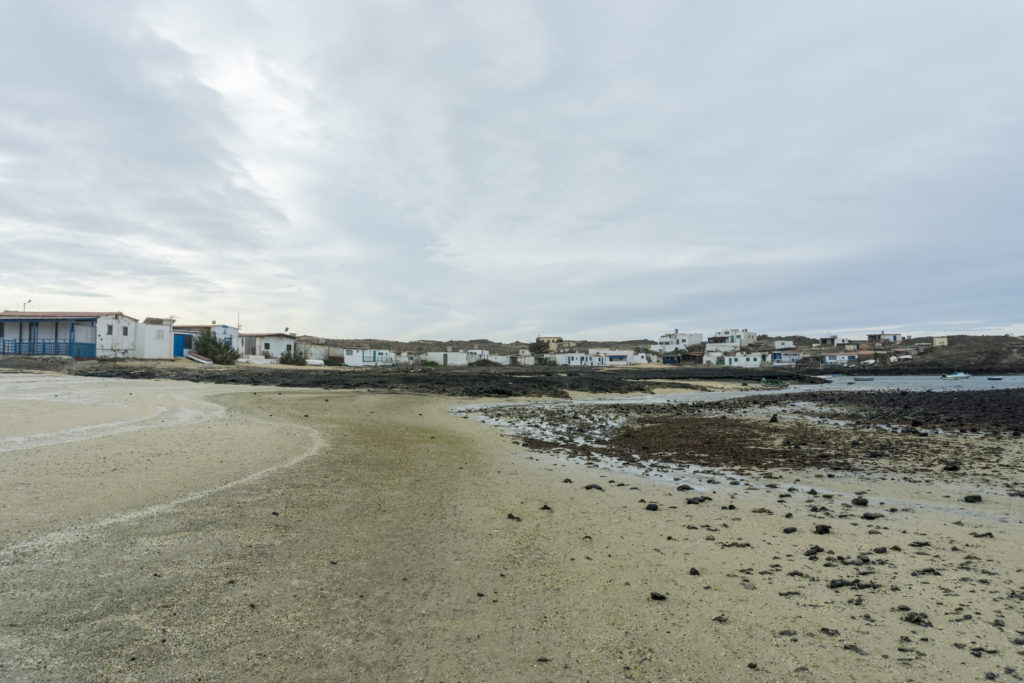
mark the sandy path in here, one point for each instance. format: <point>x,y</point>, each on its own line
<point>389,554</point>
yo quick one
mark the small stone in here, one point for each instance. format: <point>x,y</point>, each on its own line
<point>859,501</point>
<point>789,530</point>
<point>918,619</point>
<point>545,507</point>
<point>751,665</point>
<point>694,571</point>
<point>721,619</point>
<point>822,529</point>
<point>657,596</point>
<point>511,516</point>
<point>653,507</point>
<point>593,487</point>
<point>973,498</point>
<point>870,516</point>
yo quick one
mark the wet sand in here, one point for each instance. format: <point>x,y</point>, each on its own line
<point>279,534</point>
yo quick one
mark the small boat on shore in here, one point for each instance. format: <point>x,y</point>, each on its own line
<point>863,379</point>
<point>192,355</point>
<point>995,379</point>
<point>956,375</point>
<point>774,382</point>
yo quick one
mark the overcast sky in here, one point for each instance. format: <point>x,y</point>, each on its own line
<point>506,169</point>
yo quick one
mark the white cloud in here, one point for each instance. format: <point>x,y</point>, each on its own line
<point>409,169</point>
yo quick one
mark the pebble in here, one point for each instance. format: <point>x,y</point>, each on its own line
<point>822,529</point>
<point>657,596</point>
<point>652,507</point>
<point>973,498</point>
<point>789,530</point>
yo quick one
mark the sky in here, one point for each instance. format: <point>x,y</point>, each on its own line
<point>476,169</point>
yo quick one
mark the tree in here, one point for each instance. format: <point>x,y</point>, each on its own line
<point>220,352</point>
<point>538,347</point>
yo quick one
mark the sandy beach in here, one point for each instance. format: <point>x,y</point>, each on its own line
<point>155,530</point>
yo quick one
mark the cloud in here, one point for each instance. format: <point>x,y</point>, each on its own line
<point>410,169</point>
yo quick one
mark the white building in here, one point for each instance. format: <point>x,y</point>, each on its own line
<point>186,335</point>
<point>784,344</point>
<point>459,359</point>
<point>677,340</point>
<point>80,335</point>
<point>267,344</point>
<point>154,339</point>
<point>737,360</point>
<point>839,359</point>
<point>613,356</point>
<point>884,337</point>
<point>786,359</point>
<point>580,360</point>
<point>359,358</point>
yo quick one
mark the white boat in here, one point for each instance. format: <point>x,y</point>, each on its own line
<point>956,375</point>
<point>192,355</point>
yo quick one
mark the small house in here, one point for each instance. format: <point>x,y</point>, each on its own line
<point>267,344</point>
<point>79,335</point>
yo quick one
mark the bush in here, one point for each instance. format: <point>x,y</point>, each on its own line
<point>289,358</point>
<point>431,364</point>
<point>220,352</point>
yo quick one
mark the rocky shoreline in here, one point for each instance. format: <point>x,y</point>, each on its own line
<point>546,381</point>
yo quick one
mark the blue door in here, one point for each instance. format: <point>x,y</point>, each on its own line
<point>179,345</point>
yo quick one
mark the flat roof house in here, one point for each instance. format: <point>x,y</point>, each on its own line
<point>77,334</point>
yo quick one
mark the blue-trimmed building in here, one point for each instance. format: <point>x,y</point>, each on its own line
<point>79,335</point>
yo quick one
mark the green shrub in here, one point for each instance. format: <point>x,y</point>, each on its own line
<point>220,352</point>
<point>289,358</point>
<point>431,364</point>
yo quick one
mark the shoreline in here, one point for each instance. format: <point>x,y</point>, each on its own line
<point>413,544</point>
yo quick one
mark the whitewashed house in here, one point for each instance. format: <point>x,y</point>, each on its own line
<point>784,344</point>
<point>677,340</point>
<point>786,358</point>
<point>459,359</point>
<point>613,356</point>
<point>185,336</point>
<point>79,335</point>
<point>267,345</point>
<point>844,358</point>
<point>154,339</point>
<point>359,358</point>
<point>524,357</point>
<point>500,360</point>
<point>580,360</point>
<point>737,359</point>
<point>884,337</point>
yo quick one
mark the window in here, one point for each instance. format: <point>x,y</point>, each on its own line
<point>288,348</point>
<point>1,330</point>
<point>124,331</point>
<point>348,352</point>
<point>266,346</point>
<point>110,329</point>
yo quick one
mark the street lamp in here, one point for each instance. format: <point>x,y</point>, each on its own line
<point>25,304</point>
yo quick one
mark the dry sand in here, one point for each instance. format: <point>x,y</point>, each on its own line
<point>161,530</point>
